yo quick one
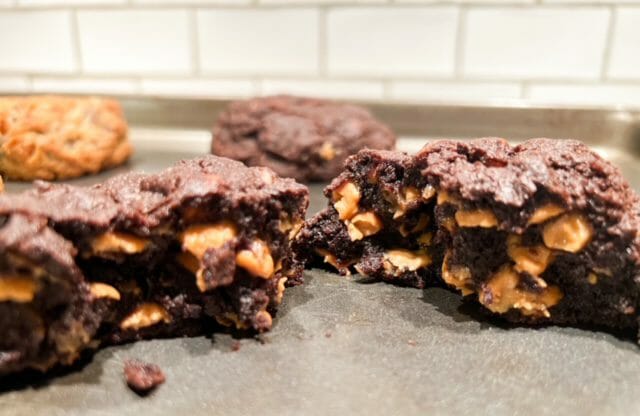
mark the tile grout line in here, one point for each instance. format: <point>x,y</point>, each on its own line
<point>75,40</point>
<point>386,89</point>
<point>322,42</point>
<point>608,45</point>
<point>194,42</point>
<point>525,89</point>
<point>30,83</point>
<point>459,50</point>
<point>254,5</point>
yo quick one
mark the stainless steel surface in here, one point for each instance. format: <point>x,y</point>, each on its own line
<point>345,346</point>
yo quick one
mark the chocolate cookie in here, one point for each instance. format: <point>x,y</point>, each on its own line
<point>203,243</point>
<point>542,232</point>
<point>304,138</point>
<point>50,137</point>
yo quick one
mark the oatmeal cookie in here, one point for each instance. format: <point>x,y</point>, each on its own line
<point>53,137</point>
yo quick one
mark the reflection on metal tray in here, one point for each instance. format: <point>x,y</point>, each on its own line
<point>343,346</point>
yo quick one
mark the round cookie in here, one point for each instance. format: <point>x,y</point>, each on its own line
<point>304,138</point>
<point>52,137</point>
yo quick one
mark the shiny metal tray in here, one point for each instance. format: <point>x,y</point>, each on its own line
<point>343,346</point>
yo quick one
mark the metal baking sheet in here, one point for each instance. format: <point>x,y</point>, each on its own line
<point>348,346</point>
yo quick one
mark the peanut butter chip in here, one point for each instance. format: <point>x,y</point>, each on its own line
<point>456,275</point>
<point>503,292</point>
<point>230,319</point>
<point>405,260</point>
<point>327,151</point>
<point>428,192</point>
<point>17,289</point>
<point>445,197</point>
<point>281,288</point>
<point>103,290</point>
<point>256,260</point>
<point>118,242</point>
<point>592,278</point>
<point>544,213</point>
<point>333,260</point>
<point>345,200</point>
<point>363,225</point>
<point>476,218</point>
<point>449,224</point>
<point>145,315</point>
<point>403,201</point>
<point>289,225</point>
<point>531,259</point>
<point>425,239</point>
<point>198,238</point>
<point>571,232</point>
<point>423,222</point>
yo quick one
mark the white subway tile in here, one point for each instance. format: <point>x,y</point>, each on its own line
<point>454,91</point>
<point>48,3</point>
<point>625,53</point>
<point>9,85</point>
<point>84,85</point>
<point>593,94</point>
<point>290,2</point>
<point>357,90</point>
<point>573,3</point>
<point>250,41</point>
<point>135,41</point>
<point>472,2</point>
<point>535,42</point>
<point>392,40</point>
<point>199,87</point>
<point>192,2</point>
<point>36,41</point>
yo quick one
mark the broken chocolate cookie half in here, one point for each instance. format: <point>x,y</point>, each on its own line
<point>542,232</point>
<point>143,255</point>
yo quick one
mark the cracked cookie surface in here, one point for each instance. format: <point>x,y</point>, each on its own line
<point>303,138</point>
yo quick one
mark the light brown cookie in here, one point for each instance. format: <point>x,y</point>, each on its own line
<point>52,137</point>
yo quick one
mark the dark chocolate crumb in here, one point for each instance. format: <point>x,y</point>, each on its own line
<point>142,377</point>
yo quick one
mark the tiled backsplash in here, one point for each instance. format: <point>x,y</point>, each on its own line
<point>557,51</point>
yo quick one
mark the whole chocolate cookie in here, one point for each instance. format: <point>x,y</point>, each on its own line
<point>543,232</point>
<point>303,138</point>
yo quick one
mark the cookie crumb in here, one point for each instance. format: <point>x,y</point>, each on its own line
<point>235,346</point>
<point>262,339</point>
<point>412,343</point>
<point>328,334</point>
<point>142,377</point>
